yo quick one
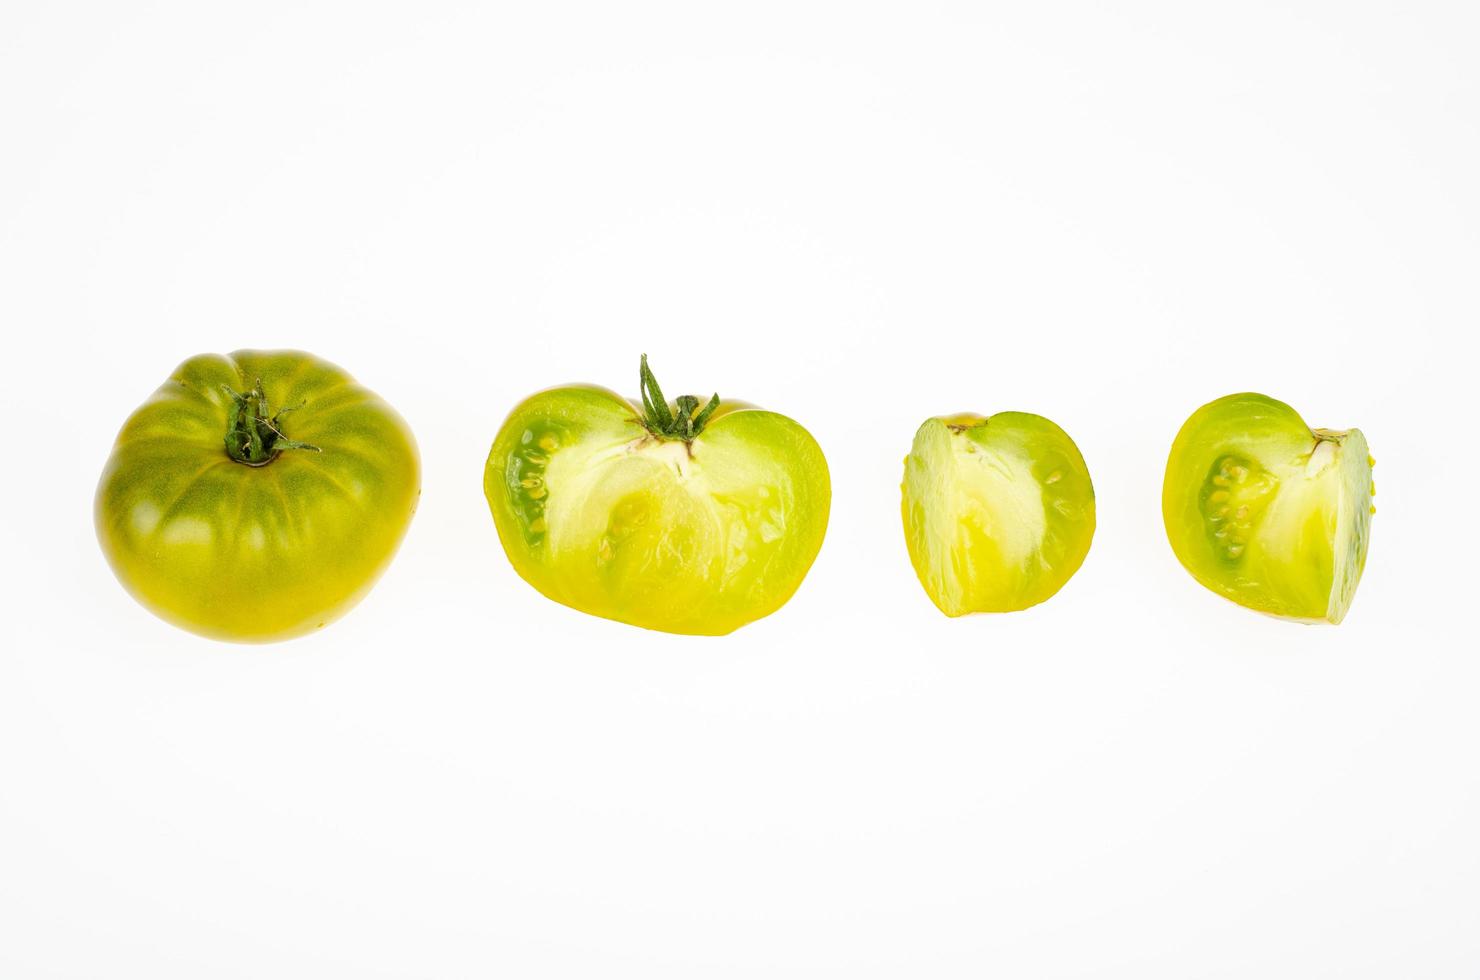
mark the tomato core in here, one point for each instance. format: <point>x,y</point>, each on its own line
<point>255,436</point>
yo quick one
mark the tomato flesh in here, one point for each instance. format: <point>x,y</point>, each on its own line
<point>697,537</point>
<point>998,512</point>
<point>256,553</point>
<point>1268,512</point>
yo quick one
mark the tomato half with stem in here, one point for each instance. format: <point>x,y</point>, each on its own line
<point>1268,512</point>
<point>256,496</point>
<point>669,516</point>
<point>998,512</point>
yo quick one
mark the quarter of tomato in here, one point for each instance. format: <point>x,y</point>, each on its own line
<point>668,516</point>
<point>998,512</point>
<point>1266,511</point>
<point>256,496</point>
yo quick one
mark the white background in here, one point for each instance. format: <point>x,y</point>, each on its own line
<point>858,215</point>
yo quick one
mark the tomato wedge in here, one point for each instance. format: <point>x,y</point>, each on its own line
<point>1267,511</point>
<point>998,512</point>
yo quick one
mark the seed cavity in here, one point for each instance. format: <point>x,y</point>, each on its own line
<point>629,516</point>
<point>1232,500</point>
<point>524,476</point>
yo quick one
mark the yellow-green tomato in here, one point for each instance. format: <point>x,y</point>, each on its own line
<point>1268,512</point>
<point>667,516</point>
<point>256,496</point>
<point>998,512</point>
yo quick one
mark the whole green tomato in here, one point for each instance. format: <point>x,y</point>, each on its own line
<point>669,516</point>
<point>256,496</point>
<point>998,512</point>
<point>1266,511</point>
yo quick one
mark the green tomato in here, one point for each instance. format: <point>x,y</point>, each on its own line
<point>998,512</point>
<point>256,496</point>
<point>1268,512</point>
<point>667,516</point>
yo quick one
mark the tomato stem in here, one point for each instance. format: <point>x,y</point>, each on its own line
<point>255,435</point>
<point>678,422</point>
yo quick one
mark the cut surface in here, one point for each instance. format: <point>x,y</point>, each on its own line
<point>998,512</point>
<point>1354,510</point>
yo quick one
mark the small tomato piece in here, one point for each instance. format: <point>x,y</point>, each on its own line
<point>1268,512</point>
<point>998,512</point>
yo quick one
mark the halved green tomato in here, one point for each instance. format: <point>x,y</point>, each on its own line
<point>1268,512</point>
<point>998,512</point>
<point>667,516</point>
<point>257,495</point>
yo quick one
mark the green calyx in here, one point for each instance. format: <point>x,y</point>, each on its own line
<point>684,421</point>
<point>255,435</point>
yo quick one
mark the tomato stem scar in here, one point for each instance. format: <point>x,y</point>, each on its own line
<point>254,435</point>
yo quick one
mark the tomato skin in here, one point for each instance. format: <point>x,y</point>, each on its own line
<point>256,553</point>
<point>698,538</point>
<point>1268,512</point>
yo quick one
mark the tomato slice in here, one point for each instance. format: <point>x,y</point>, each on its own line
<point>698,536</point>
